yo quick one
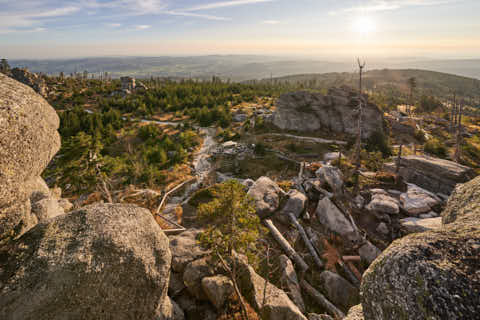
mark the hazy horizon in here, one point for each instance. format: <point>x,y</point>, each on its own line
<point>53,29</point>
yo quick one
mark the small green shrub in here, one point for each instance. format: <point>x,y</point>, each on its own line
<point>437,148</point>
<point>378,141</point>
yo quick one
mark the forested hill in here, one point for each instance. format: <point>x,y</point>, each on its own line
<point>437,84</point>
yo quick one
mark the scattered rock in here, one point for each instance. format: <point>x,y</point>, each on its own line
<point>88,264</point>
<point>332,177</point>
<point>383,228</point>
<point>339,291</point>
<point>359,202</point>
<point>266,194</point>
<point>170,311</point>
<point>333,219</point>
<point>332,156</point>
<point>289,281</point>
<point>217,289</point>
<point>368,252</point>
<point>175,284</point>
<point>355,313</point>
<point>193,275</point>
<point>277,306</point>
<point>384,203</point>
<point>430,275</point>
<point>295,204</point>
<point>431,214</point>
<point>417,200</point>
<point>433,174</point>
<point>240,117</point>
<point>414,225</point>
<point>185,249</point>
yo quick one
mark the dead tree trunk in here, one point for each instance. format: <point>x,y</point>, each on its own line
<point>320,298</point>
<point>452,119</point>
<point>399,159</point>
<point>287,248</point>
<point>458,149</point>
<point>307,241</point>
<point>358,147</point>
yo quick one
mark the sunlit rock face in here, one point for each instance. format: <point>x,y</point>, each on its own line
<point>28,141</point>
<point>336,112</point>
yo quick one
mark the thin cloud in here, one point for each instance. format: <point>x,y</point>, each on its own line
<point>271,22</point>
<point>224,4</point>
<point>113,25</point>
<point>388,5</point>
<point>143,27</point>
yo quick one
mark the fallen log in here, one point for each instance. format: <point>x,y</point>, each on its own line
<point>287,248</point>
<point>350,275</point>
<point>352,258</point>
<point>307,241</point>
<point>170,192</point>
<point>320,298</point>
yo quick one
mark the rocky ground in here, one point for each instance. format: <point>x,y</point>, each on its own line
<point>326,241</point>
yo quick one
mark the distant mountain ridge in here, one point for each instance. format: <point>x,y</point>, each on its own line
<point>235,67</point>
<point>428,82</point>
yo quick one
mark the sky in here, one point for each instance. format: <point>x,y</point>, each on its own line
<point>39,29</point>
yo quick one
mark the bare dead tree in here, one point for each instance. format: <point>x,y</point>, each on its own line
<point>452,118</point>
<point>358,145</point>
<point>399,158</point>
<point>458,148</point>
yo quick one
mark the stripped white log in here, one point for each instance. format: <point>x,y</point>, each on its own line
<point>287,248</point>
<point>307,241</point>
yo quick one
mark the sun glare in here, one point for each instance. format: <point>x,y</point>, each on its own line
<point>364,25</point>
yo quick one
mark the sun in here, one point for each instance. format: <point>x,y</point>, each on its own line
<point>364,25</point>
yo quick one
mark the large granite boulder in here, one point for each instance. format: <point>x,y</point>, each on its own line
<point>414,225</point>
<point>101,261</point>
<point>266,194</point>
<point>28,141</point>
<point>430,275</point>
<point>433,174</point>
<point>465,200</point>
<point>336,112</point>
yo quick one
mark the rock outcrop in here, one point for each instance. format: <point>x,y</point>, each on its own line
<point>336,112</point>
<point>30,79</point>
<point>433,174</point>
<point>28,141</point>
<point>434,274</point>
<point>99,260</point>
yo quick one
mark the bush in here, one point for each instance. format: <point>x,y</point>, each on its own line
<point>436,148</point>
<point>260,149</point>
<point>378,141</point>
